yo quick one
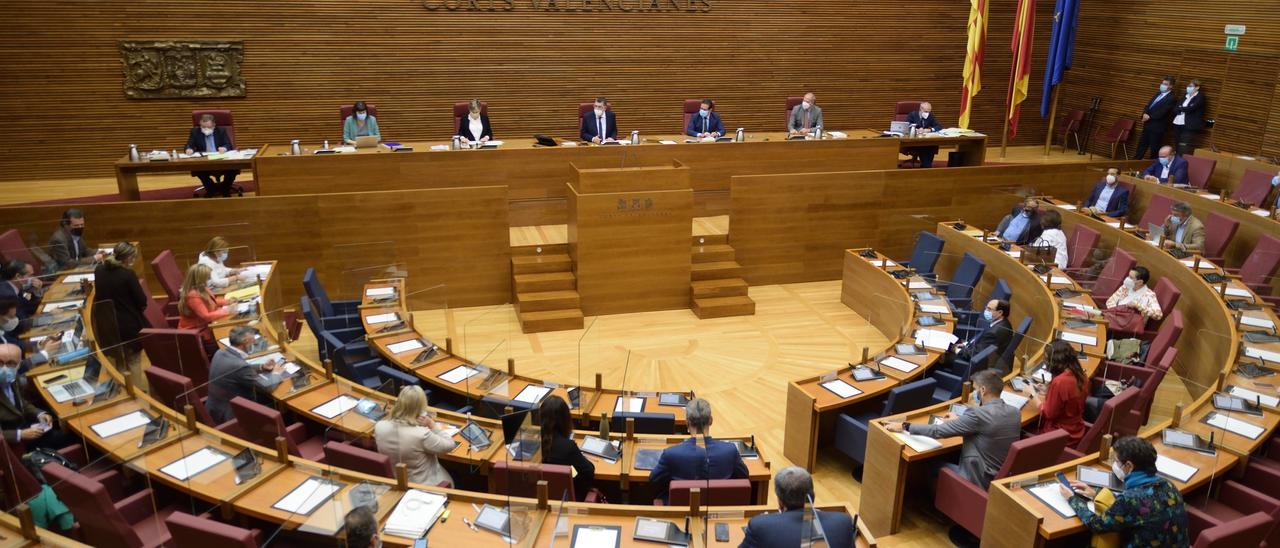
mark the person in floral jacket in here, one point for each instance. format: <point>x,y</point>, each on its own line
<point>1149,512</point>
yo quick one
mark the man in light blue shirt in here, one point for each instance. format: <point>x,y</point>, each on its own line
<point>1022,224</point>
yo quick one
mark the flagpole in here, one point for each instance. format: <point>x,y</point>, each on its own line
<point>1004,135</point>
<point>1053,114</point>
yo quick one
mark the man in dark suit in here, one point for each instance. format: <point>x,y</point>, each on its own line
<point>1022,224</point>
<point>1155,118</point>
<point>20,420</point>
<point>600,124</point>
<point>1167,168</point>
<point>30,354</point>
<point>1108,197</point>
<point>18,280</point>
<point>706,122</point>
<point>789,527</point>
<point>1188,118</point>
<point>695,459</point>
<point>925,122</point>
<point>208,138</point>
<point>231,375</point>
<point>66,246</point>
<point>995,332</point>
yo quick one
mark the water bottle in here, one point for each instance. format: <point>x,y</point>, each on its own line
<point>294,149</point>
<point>817,132</point>
<point>326,144</point>
<point>911,131</point>
<point>739,137</point>
<point>457,143</point>
<point>174,154</point>
<point>635,137</point>
<point>133,153</point>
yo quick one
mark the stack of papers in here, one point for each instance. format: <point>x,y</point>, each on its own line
<point>243,293</point>
<point>256,271</point>
<point>1174,469</point>
<point>934,309</point>
<point>77,278</point>
<point>917,442</point>
<point>934,339</point>
<point>414,515</point>
<point>1013,399</point>
<point>123,423</point>
<point>1266,355</point>
<point>666,142</point>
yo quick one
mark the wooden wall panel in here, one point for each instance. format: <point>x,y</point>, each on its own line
<point>346,237</point>
<point>1125,47</point>
<point>62,74</point>
<point>795,228</point>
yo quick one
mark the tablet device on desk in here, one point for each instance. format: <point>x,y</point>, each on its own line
<point>1097,477</point>
<point>672,399</point>
<point>370,409</point>
<point>1186,440</point>
<point>908,349</point>
<point>1260,337</point>
<point>600,448</point>
<point>864,373</point>
<point>928,321</point>
<point>1232,403</point>
<point>746,451</point>
<point>300,380</point>
<point>155,431</point>
<point>575,397</point>
<point>246,464</point>
<point>660,531</point>
<point>596,536</point>
<point>647,459</point>
<point>475,435</point>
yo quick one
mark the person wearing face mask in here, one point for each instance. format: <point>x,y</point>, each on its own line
<point>20,420</point>
<point>793,487</point>
<point>994,331</point>
<point>1108,196</point>
<point>1183,231</point>
<point>1148,512</point>
<point>1168,168</point>
<point>215,256</point>
<point>988,429</point>
<point>1022,224</point>
<point>208,138</point>
<point>1155,119</point>
<point>475,125</point>
<point>231,374</point>
<point>362,528</point>
<point>805,116</point>
<point>361,123</point>
<point>1052,235</point>
<point>925,122</point>
<point>119,304</point>
<point>599,125</point>
<point>32,354</point>
<point>1275,183</point>
<point>67,248</point>
<point>17,280</point>
<point>1131,306</point>
<point>706,123</point>
<point>1061,401</point>
<point>199,307</point>
<point>1188,118</point>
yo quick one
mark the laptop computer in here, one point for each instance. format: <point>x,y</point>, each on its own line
<point>366,141</point>
<point>82,386</point>
<point>897,126</point>
<point>1154,232</point>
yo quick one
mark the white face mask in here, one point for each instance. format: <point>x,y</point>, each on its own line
<point>1275,181</point>
<point>222,256</point>
<point>1128,284</point>
<point>362,115</point>
<point>9,324</point>
<point>206,130</point>
<point>806,105</point>
<point>924,115</point>
<point>1111,179</point>
<point>1117,470</point>
<point>599,112</point>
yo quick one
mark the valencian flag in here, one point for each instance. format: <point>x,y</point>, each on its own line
<point>973,58</point>
<point>1061,44</point>
<point>1024,27</point>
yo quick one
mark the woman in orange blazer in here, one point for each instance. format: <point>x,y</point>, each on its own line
<point>199,307</point>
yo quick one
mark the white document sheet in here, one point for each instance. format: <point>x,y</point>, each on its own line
<point>532,394</point>
<point>1256,397</point>
<point>1088,340</point>
<point>1050,494</point>
<point>312,493</point>
<point>62,305</point>
<point>1260,212</point>
<point>628,404</point>
<point>404,346</point>
<point>879,262</point>
<point>1013,399</point>
<point>1059,280</point>
<point>1239,292</point>
<point>595,537</point>
<point>381,318</point>
<point>1068,207</point>
<point>415,513</point>
<point>899,364</point>
<point>1255,352</point>
<point>380,292</point>
<point>841,388</point>
<point>195,463</point>
<point>335,406</point>
<point>1114,225</point>
<point>111,427</point>
<point>918,285</point>
<point>917,442</point>
<point>934,339</point>
<point>458,374</point>
<point>934,309</point>
<point>77,278</point>
<point>1174,469</point>
<point>1236,426</point>
<point>1254,321</point>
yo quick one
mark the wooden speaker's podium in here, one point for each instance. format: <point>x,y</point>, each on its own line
<point>629,237</point>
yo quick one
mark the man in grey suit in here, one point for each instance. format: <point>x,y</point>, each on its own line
<point>231,375</point>
<point>794,487</point>
<point>988,429</point>
<point>66,246</point>
<point>805,116</point>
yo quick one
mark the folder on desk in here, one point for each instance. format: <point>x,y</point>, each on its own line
<point>243,294</point>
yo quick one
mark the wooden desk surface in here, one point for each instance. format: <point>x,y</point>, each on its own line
<point>215,484</point>
<point>327,518</point>
<point>124,445</point>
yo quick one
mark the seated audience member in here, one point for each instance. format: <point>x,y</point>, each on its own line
<point>120,305</point>
<point>706,123</point>
<point>1275,183</point>
<point>208,138</point>
<point>1051,234</point>
<point>20,420</point>
<point>1061,402</point>
<point>1182,231</point>
<point>988,429</point>
<point>1108,197</point>
<point>66,246</point>
<point>710,459</point>
<point>362,528</point>
<point>788,528</point>
<point>995,332</point>
<point>1167,168</point>
<point>215,256</point>
<point>1129,308</point>
<point>18,280</point>
<point>409,434</point>
<point>558,446</point>
<point>475,125</point>
<point>10,326</point>
<point>925,122</point>
<point>600,125</point>
<point>805,116</point>
<point>359,124</point>
<point>231,374</point>
<point>199,307</point>
<point>1149,511</point>
<point>1022,224</point>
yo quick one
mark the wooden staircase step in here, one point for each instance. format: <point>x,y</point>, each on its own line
<point>711,253</point>
<point>548,300</point>
<point>545,281</point>
<point>547,249</point>
<point>711,239</point>
<point>723,287</point>
<point>529,264</point>
<point>716,270</point>
<point>550,320</point>
<point>720,307</point>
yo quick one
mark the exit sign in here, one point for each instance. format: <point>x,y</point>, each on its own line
<point>1235,30</point>
<point>1233,42</point>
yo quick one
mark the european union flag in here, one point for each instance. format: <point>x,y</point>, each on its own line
<point>1061,43</point>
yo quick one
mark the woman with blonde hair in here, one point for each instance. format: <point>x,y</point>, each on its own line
<point>199,307</point>
<point>409,434</point>
<point>214,256</point>
<point>119,305</point>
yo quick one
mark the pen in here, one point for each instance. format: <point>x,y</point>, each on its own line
<point>469,524</point>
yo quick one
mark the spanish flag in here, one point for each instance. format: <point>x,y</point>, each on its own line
<point>973,58</point>
<point>1024,27</point>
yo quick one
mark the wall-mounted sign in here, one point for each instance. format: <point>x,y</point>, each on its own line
<point>1234,30</point>
<point>1233,42</point>
<point>617,6</point>
<point>182,68</point>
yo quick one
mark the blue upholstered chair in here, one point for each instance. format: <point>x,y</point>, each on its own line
<point>851,429</point>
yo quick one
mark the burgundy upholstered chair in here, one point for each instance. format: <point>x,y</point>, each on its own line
<point>261,425</point>
<point>966,503</point>
<point>361,460</point>
<point>461,109</point>
<point>1254,187</point>
<point>170,278</point>
<point>135,521</point>
<point>728,492</point>
<point>178,350</point>
<point>190,531</point>
<point>1108,422</point>
<point>1112,276</point>
<point>1218,231</point>
<point>1199,169</point>
<point>1249,530</point>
